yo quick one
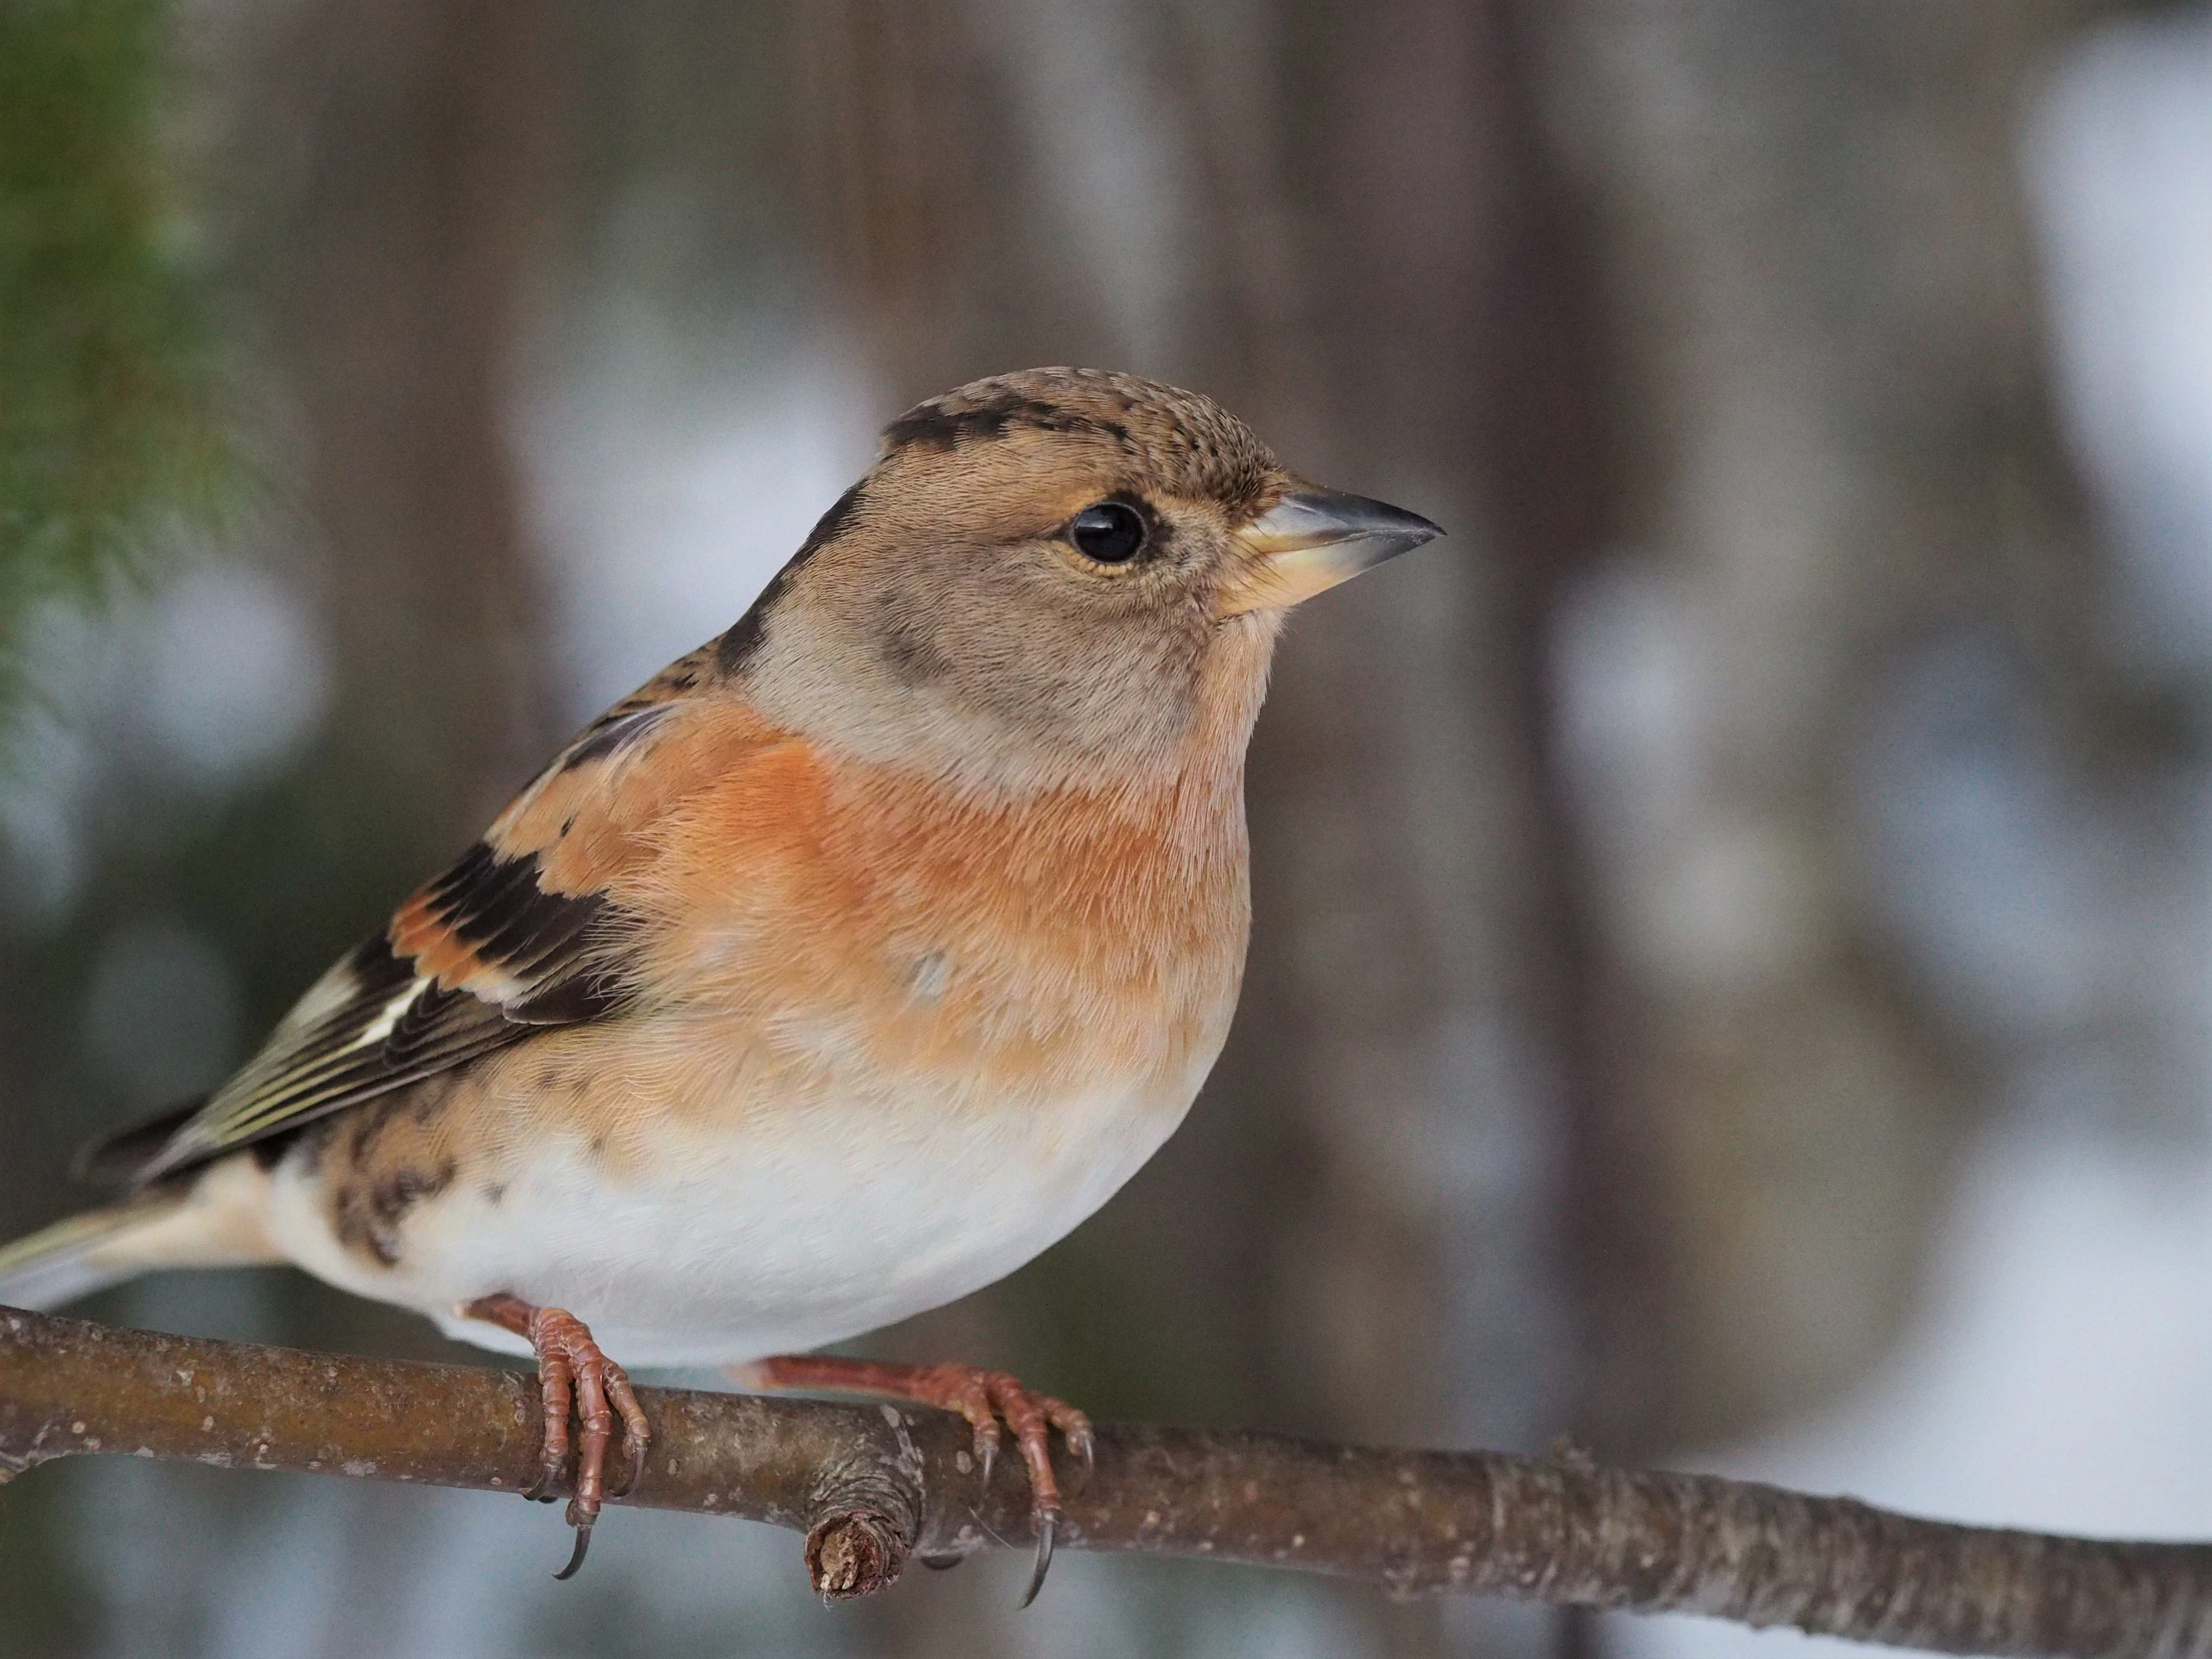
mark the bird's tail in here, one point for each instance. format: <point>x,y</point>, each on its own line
<point>81,1255</point>
<point>211,1220</point>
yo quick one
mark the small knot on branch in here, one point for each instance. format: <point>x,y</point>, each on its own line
<point>854,1554</point>
<point>865,1515</point>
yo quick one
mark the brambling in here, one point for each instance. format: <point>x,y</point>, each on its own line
<point>849,963</point>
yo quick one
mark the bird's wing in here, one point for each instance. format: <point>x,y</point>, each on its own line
<point>534,926</point>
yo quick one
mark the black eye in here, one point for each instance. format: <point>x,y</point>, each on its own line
<point>1109,532</point>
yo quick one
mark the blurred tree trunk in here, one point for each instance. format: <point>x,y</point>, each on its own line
<point>1476,350</point>
<point>1821,275</point>
<point>426,158</point>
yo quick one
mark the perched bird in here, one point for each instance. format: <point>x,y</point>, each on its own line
<point>849,963</point>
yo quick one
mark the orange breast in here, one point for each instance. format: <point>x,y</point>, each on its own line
<point>1021,949</point>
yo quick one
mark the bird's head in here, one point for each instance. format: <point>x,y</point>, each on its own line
<point>1061,573</point>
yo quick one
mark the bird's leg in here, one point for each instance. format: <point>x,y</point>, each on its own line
<point>573,1373</point>
<point>983,1397</point>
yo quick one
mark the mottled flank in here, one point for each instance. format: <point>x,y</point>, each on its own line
<point>368,1217</point>
<point>411,1111</point>
<point>381,1159</point>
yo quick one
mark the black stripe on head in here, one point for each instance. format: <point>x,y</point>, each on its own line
<point>736,646</point>
<point>937,425</point>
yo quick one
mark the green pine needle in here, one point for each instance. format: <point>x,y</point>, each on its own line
<point>110,434</point>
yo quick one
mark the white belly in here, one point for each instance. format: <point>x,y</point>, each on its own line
<point>800,1227</point>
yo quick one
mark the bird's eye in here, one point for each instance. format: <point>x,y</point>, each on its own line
<point>1111,532</point>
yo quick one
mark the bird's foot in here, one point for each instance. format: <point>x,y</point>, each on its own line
<point>987,1399</point>
<point>575,1374</point>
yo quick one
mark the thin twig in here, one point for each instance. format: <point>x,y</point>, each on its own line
<point>871,1486</point>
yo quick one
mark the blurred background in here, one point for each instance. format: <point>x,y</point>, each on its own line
<point>1734,922</point>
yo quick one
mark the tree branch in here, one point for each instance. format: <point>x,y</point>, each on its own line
<point>870,1486</point>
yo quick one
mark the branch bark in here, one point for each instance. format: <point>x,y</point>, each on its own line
<point>870,1486</point>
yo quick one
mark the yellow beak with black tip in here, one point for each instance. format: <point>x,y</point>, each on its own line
<point>1311,540</point>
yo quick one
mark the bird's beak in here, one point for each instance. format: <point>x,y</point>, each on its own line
<point>1311,540</point>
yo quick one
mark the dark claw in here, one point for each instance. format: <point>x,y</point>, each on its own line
<point>987,1453</point>
<point>942,1563</point>
<point>1087,1449</point>
<point>636,1469</point>
<point>576,1560</point>
<point>1046,1524</point>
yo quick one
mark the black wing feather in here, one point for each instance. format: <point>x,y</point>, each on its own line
<point>376,1023</point>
